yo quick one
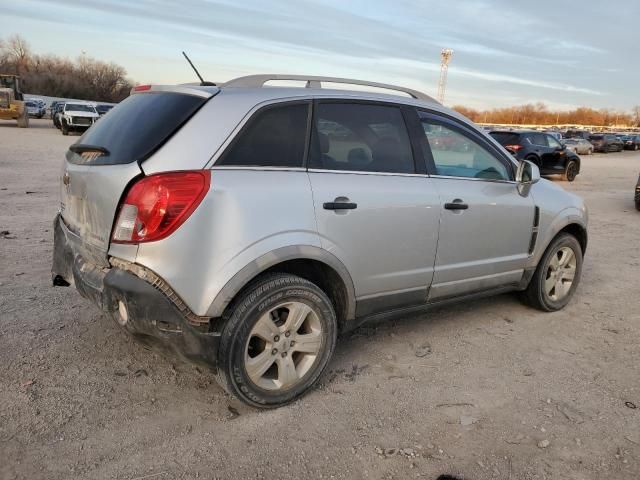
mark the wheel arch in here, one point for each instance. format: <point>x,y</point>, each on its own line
<point>532,157</point>
<point>578,231</point>
<point>575,158</point>
<point>312,263</point>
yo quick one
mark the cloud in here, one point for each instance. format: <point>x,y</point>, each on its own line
<point>536,47</point>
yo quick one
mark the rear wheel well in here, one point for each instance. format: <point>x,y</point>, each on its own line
<point>319,273</point>
<point>324,277</point>
<point>577,231</point>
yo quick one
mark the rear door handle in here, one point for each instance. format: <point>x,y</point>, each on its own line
<point>457,204</point>
<point>339,206</point>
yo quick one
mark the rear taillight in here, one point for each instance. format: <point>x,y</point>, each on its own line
<point>515,148</point>
<point>155,206</point>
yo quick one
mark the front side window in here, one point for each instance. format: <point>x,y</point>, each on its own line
<point>458,155</point>
<point>274,137</point>
<point>360,137</point>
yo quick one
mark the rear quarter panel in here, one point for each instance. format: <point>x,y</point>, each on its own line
<point>246,214</point>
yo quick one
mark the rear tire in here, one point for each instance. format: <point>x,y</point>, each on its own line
<point>549,289</point>
<point>570,171</point>
<point>277,340</point>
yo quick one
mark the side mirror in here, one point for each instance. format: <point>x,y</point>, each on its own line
<point>526,175</point>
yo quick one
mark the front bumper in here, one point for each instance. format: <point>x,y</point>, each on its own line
<point>138,306</point>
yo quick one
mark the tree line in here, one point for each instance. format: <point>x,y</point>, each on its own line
<point>540,114</point>
<point>84,78</point>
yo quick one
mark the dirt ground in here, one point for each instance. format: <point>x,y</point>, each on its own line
<point>500,391</point>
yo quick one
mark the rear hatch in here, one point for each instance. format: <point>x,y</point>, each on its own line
<point>108,157</point>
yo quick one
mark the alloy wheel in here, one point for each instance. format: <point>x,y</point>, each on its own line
<point>283,346</point>
<point>560,274</point>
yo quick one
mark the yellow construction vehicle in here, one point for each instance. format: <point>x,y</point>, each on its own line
<point>12,106</point>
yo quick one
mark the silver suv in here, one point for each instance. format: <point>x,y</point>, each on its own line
<point>245,226</point>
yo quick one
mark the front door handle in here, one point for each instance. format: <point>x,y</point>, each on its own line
<point>457,204</point>
<point>339,206</point>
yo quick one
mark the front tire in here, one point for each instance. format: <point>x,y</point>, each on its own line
<point>557,275</point>
<point>64,128</point>
<point>570,171</point>
<point>277,341</point>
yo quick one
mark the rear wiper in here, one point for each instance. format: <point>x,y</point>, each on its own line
<point>82,147</point>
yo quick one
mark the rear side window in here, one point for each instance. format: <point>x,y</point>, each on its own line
<point>360,137</point>
<point>539,139</point>
<point>274,137</point>
<point>135,128</point>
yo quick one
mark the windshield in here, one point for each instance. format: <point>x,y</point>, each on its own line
<point>78,107</point>
<point>596,137</point>
<point>7,82</point>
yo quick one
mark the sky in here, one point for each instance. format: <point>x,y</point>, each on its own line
<point>506,52</point>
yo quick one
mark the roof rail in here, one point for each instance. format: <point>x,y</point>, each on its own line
<point>257,81</point>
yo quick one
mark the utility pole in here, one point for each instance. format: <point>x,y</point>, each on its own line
<point>445,58</point>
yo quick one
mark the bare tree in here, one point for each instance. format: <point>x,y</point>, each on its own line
<point>86,78</point>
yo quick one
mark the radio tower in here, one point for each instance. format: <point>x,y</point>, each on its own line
<point>445,58</point>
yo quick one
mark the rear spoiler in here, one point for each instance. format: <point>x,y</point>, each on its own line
<point>196,91</point>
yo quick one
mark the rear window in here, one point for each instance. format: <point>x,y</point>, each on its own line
<point>134,129</point>
<point>506,138</point>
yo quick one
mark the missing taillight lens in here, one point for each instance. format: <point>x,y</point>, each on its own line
<point>157,205</point>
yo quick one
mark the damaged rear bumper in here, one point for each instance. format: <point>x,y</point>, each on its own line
<point>142,308</point>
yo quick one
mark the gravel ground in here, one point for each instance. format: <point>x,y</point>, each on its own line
<point>501,391</point>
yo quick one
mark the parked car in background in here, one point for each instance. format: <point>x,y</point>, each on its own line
<point>102,108</point>
<point>579,145</point>
<point>174,225</point>
<point>545,151</point>
<point>33,109</point>
<point>52,108</point>
<point>77,116</point>
<point>631,142</point>
<point>606,142</point>
<point>56,109</point>
<point>577,134</point>
<point>42,107</point>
